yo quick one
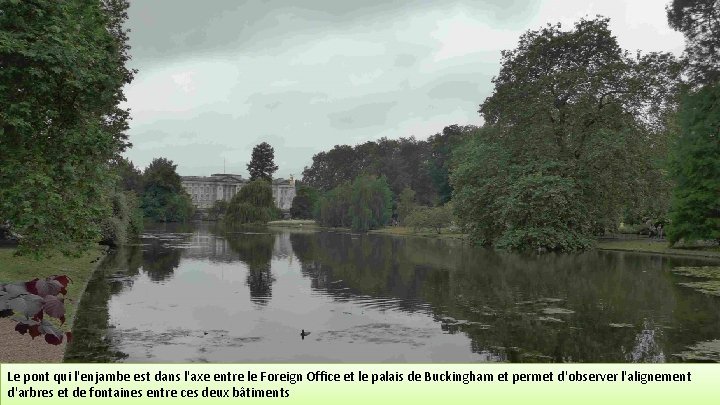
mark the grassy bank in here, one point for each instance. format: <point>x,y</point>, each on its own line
<point>425,233</point>
<point>632,245</point>
<point>294,223</point>
<point>390,230</point>
<point>79,269</point>
<point>657,247</point>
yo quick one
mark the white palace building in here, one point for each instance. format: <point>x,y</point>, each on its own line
<point>205,190</point>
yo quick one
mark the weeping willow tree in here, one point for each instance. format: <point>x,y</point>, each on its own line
<point>371,203</point>
<point>254,204</point>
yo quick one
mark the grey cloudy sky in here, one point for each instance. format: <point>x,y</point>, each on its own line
<point>217,77</point>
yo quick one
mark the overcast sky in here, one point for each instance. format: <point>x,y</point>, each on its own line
<point>217,77</point>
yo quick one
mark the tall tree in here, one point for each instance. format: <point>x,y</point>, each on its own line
<point>405,205</point>
<point>334,207</point>
<point>253,204</point>
<point>695,157</point>
<point>404,162</point>
<point>162,173</point>
<point>130,177</point>
<point>370,203</point>
<point>695,213</point>
<point>304,203</point>
<point>442,146</point>
<point>262,163</point>
<point>62,73</point>
<point>699,21</point>
<point>164,198</point>
<point>578,124</point>
<point>332,168</point>
<point>364,204</point>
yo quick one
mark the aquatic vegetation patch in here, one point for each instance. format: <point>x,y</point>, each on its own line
<point>167,236</point>
<point>541,301</point>
<point>699,272</point>
<point>706,287</point>
<point>378,333</point>
<point>550,300</point>
<point>535,357</point>
<point>703,351</point>
<point>550,319</point>
<point>710,286</point>
<point>557,311</point>
<point>477,325</point>
<point>184,246</point>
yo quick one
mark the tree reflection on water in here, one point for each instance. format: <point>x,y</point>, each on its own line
<point>256,251</point>
<point>595,306</point>
<point>590,307</point>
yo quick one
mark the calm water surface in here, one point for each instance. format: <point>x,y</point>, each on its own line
<point>199,295</point>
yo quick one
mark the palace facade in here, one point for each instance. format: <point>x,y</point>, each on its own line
<point>205,190</point>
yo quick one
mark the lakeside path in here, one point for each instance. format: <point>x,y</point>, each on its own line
<point>17,348</point>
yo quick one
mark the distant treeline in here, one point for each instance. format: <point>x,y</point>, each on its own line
<point>155,193</point>
<point>382,182</point>
<point>422,165</point>
<point>579,136</point>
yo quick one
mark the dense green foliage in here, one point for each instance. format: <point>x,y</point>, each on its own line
<point>405,205</point>
<point>517,207</point>
<point>62,72</point>
<point>218,210</point>
<point>262,163</point>
<point>435,218</point>
<point>699,21</point>
<point>695,213</point>
<point>441,149</point>
<point>126,221</point>
<point>333,207</point>
<point>575,132</point>
<point>130,177</point>
<point>545,211</point>
<point>305,202</point>
<point>370,203</point>
<point>253,204</point>
<point>695,157</point>
<point>364,204</point>
<point>163,198</point>
<point>405,162</point>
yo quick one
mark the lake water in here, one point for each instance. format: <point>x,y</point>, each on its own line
<point>200,295</point>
